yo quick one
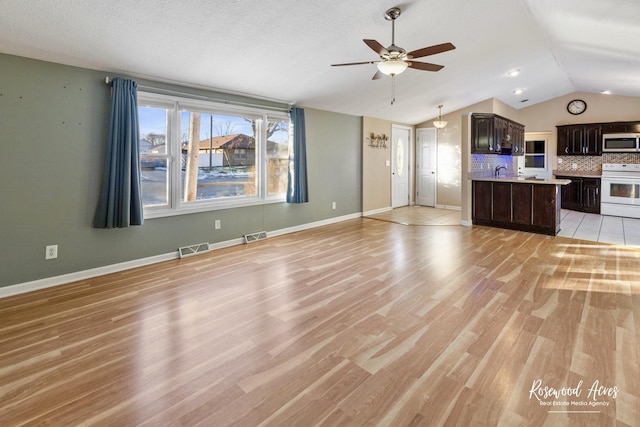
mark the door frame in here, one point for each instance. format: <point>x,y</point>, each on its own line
<point>409,160</point>
<point>435,156</point>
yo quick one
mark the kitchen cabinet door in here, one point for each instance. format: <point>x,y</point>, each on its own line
<point>592,140</point>
<point>544,202</point>
<point>563,141</point>
<point>482,200</point>
<point>591,195</point>
<point>571,194</point>
<point>576,137</point>
<point>522,197</point>
<point>482,134</point>
<point>502,201</point>
<point>518,140</point>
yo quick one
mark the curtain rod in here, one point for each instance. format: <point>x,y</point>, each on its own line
<point>109,80</point>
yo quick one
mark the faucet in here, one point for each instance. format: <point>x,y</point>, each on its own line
<point>496,172</point>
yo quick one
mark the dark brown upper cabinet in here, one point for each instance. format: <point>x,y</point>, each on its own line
<point>580,140</point>
<point>494,134</point>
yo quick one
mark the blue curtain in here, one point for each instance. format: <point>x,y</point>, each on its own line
<point>120,203</point>
<point>297,191</point>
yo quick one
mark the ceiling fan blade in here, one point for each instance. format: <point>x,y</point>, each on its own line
<point>431,50</point>
<point>354,63</point>
<point>376,47</point>
<point>425,66</point>
<point>377,75</point>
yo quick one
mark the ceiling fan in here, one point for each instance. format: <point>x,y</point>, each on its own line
<point>394,59</point>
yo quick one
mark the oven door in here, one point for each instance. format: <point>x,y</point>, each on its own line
<point>623,191</point>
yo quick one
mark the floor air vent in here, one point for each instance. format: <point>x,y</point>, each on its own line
<point>248,238</point>
<point>192,250</point>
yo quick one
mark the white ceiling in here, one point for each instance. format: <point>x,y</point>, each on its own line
<point>282,49</point>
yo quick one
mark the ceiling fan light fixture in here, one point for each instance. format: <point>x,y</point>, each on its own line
<point>440,124</point>
<point>392,67</point>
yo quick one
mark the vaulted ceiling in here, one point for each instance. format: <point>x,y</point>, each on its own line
<point>282,49</point>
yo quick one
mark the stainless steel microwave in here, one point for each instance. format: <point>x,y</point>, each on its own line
<point>621,142</point>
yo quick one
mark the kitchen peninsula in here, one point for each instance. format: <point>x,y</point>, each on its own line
<point>517,202</point>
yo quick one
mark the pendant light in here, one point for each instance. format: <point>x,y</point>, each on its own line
<point>439,124</point>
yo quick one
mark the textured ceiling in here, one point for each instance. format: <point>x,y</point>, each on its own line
<point>282,49</point>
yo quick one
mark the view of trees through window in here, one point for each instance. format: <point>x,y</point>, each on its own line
<point>221,156</point>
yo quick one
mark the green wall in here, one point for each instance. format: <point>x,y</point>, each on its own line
<point>53,130</point>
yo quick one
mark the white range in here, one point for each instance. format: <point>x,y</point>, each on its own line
<point>620,190</point>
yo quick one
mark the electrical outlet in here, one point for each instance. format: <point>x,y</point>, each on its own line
<point>333,205</point>
<point>217,224</point>
<point>51,252</point>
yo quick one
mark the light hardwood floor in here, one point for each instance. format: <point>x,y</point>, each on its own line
<point>364,322</point>
<point>419,215</point>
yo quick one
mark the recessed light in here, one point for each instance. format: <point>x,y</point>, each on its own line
<point>518,91</point>
<point>606,92</point>
<point>513,73</point>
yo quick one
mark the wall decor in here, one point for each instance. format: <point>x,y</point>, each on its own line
<point>378,141</point>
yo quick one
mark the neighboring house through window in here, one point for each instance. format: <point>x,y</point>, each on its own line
<point>200,155</point>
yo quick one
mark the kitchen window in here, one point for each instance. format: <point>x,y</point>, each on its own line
<point>200,155</point>
<point>535,155</point>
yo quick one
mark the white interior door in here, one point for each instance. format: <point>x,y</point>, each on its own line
<point>401,138</point>
<point>426,166</point>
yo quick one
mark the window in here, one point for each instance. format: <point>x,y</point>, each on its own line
<point>200,155</point>
<point>535,155</point>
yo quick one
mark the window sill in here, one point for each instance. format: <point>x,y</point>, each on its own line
<point>161,212</point>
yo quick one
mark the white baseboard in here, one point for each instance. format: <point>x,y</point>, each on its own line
<point>226,244</point>
<point>377,211</point>
<point>466,223</point>
<point>314,224</point>
<point>453,208</point>
<point>49,282</point>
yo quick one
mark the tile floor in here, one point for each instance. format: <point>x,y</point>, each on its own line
<point>600,228</point>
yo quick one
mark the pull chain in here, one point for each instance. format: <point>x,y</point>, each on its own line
<point>393,89</point>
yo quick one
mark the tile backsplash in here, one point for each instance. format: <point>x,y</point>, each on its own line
<point>594,163</point>
<point>488,162</point>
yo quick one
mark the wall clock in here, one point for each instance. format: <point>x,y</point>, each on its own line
<point>577,106</point>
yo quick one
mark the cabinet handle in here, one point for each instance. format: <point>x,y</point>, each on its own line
<point>566,150</point>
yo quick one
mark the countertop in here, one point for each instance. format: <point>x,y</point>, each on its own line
<point>518,179</point>
<point>589,174</point>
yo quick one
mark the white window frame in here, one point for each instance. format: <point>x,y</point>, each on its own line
<point>176,105</point>
<point>537,137</point>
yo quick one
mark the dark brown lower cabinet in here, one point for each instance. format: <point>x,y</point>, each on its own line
<point>501,201</point>
<point>591,195</point>
<point>583,194</point>
<point>547,210</point>
<point>482,200</point>
<point>519,206</point>
<point>522,210</point>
